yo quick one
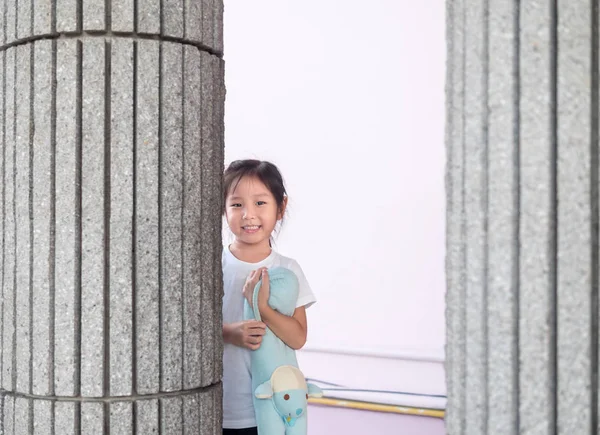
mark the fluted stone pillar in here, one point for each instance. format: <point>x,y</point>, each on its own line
<point>522,240</point>
<point>111,161</point>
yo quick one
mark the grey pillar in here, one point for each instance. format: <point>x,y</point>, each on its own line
<point>522,241</point>
<point>111,161</point>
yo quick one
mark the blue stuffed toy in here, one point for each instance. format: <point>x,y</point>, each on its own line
<point>280,389</point>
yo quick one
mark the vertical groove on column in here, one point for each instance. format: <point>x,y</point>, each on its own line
<point>53,20</point>
<point>517,217</point>
<point>463,223</point>
<point>554,211</point>
<point>161,31</point>
<point>485,211</point>
<point>594,192</point>
<point>79,25</point>
<point>107,219</point>
<point>161,287</point>
<point>108,15</point>
<point>475,207</point>
<point>204,218</point>
<point>78,234</point>
<point>135,23</point>
<point>9,237</point>
<point>14,222</point>
<point>182,220</point>
<point>3,210</point>
<point>52,301</point>
<point>134,256</point>
<point>31,228</point>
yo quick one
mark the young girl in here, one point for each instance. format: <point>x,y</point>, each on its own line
<point>255,200</point>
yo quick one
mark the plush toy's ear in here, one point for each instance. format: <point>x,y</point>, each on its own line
<point>264,391</point>
<point>314,391</point>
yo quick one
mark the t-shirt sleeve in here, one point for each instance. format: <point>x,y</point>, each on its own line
<point>306,296</point>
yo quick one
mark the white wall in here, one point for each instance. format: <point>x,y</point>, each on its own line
<point>347,98</point>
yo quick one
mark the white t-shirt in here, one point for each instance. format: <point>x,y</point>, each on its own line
<point>238,410</point>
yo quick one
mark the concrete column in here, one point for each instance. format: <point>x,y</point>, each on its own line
<point>522,240</point>
<point>111,163</point>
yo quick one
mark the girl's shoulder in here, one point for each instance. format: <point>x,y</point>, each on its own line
<point>288,263</point>
<point>283,261</point>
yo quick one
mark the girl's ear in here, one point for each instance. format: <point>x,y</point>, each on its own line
<point>281,211</point>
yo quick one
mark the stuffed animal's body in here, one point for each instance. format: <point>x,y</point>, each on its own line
<point>280,390</point>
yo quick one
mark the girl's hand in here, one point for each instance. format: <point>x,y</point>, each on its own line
<point>265,291</point>
<point>248,333</point>
<point>263,294</point>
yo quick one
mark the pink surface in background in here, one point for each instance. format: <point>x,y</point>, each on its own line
<point>328,420</point>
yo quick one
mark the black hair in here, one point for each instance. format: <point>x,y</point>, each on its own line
<point>266,172</point>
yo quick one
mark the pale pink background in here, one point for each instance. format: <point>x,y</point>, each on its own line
<point>347,98</point>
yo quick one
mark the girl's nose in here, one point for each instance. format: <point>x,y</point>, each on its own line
<point>248,213</point>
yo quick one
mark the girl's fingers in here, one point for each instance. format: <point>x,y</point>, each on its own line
<point>256,324</point>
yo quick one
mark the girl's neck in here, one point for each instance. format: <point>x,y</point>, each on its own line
<point>250,253</point>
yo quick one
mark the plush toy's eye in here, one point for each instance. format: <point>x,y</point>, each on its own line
<point>307,396</point>
<point>286,397</point>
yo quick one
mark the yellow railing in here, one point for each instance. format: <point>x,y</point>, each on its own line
<point>342,403</point>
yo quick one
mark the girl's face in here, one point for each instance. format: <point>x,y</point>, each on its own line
<point>251,212</point>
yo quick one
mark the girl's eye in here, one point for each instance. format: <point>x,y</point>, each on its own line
<point>236,205</point>
<point>261,203</point>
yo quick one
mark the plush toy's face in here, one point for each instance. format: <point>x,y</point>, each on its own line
<point>289,393</point>
<point>291,404</point>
